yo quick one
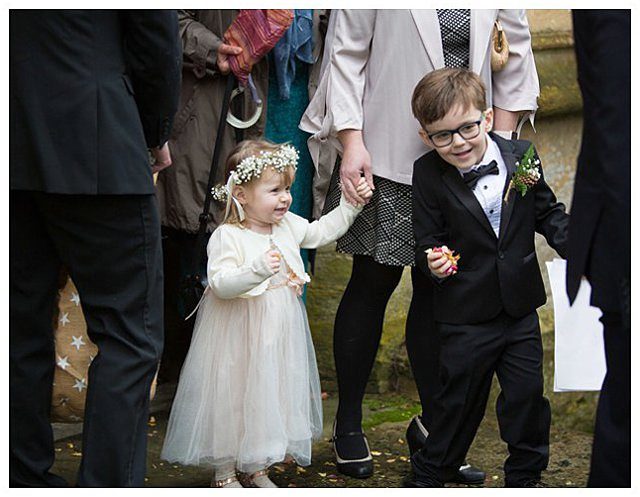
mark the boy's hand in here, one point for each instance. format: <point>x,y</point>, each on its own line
<point>273,260</point>
<point>440,265</point>
<point>364,190</point>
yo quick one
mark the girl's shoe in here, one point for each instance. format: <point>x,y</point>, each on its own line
<point>231,482</point>
<point>260,479</point>
<point>356,468</point>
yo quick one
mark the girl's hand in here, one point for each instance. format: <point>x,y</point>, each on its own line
<point>364,190</point>
<point>439,264</point>
<point>273,260</point>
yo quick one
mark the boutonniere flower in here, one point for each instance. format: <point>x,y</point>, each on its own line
<point>526,175</point>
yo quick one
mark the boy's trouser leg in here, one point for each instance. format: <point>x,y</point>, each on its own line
<point>468,356</point>
<point>523,412</point>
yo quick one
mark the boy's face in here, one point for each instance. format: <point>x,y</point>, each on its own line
<point>461,152</point>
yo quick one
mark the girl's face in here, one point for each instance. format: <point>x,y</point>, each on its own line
<point>265,201</point>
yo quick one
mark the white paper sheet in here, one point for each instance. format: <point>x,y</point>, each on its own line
<point>579,345</point>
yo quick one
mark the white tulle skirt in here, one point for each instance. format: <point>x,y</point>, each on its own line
<point>249,391</point>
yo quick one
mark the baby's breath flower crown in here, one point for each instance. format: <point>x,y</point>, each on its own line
<point>251,168</point>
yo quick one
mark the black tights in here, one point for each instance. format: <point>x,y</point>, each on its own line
<point>357,331</point>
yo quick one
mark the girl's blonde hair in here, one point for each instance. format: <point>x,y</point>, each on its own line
<point>242,151</point>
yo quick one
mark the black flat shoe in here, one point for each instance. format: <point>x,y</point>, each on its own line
<point>356,468</point>
<point>469,475</point>
<point>410,481</point>
<point>416,435</point>
<point>416,439</point>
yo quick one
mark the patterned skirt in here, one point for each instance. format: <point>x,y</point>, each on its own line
<point>383,230</point>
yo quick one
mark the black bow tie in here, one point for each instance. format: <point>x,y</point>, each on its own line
<point>472,177</point>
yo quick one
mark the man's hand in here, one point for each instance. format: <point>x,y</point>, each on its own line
<point>222,60</point>
<point>162,156</point>
<point>356,161</point>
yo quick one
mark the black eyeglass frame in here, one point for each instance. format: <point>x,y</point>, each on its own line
<point>456,131</point>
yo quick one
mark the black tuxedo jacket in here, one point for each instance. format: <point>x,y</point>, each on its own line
<point>600,228</point>
<point>494,274</point>
<point>89,92</point>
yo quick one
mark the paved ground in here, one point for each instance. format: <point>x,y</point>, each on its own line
<point>568,466</point>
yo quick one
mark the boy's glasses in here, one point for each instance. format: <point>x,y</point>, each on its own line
<point>466,131</point>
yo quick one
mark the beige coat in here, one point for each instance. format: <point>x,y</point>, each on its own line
<point>181,187</point>
<point>374,58</point>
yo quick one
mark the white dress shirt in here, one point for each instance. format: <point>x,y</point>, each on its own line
<point>489,188</point>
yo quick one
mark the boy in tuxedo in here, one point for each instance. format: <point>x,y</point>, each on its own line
<point>467,200</point>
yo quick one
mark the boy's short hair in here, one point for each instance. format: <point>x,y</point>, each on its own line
<point>441,90</point>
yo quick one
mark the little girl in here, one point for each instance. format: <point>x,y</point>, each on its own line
<point>249,391</point>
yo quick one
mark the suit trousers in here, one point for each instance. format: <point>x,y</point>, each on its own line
<point>111,247</point>
<point>611,455</point>
<point>469,356</point>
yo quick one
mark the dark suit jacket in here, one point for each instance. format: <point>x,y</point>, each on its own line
<point>494,274</point>
<point>600,228</point>
<point>89,92</point>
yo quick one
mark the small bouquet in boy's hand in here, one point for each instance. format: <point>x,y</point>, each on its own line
<point>449,255</point>
<point>526,175</point>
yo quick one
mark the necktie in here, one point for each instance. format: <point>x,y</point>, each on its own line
<point>472,177</point>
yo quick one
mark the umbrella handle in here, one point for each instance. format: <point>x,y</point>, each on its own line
<point>238,123</point>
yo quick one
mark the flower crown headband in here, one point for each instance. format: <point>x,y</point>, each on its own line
<point>251,168</point>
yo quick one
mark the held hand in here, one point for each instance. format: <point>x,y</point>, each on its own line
<point>222,60</point>
<point>364,190</point>
<point>439,263</point>
<point>273,260</point>
<point>356,161</point>
<point>162,156</point>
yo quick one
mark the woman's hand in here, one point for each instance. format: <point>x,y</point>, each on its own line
<point>356,162</point>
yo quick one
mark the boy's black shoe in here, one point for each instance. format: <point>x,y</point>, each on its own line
<point>417,437</point>
<point>410,481</point>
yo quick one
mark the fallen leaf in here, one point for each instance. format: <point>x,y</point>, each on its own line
<point>301,470</point>
<point>391,461</point>
<point>376,453</point>
<point>322,474</point>
<point>69,445</point>
<point>324,396</point>
<point>404,459</point>
<point>494,477</point>
<point>400,441</point>
<point>76,454</point>
<point>152,421</point>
